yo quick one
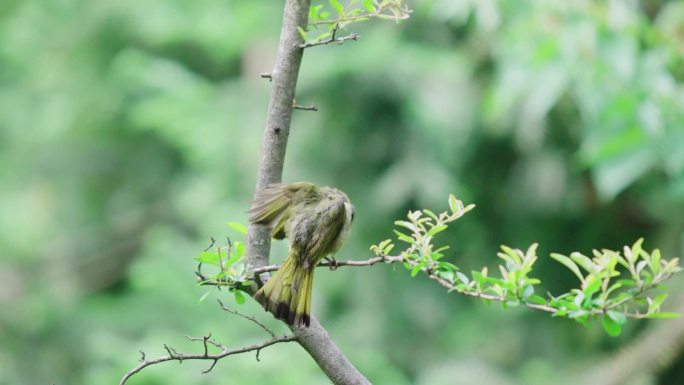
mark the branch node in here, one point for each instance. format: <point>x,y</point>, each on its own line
<point>211,367</point>
<point>142,356</point>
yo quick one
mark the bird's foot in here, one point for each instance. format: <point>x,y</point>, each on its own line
<point>332,263</point>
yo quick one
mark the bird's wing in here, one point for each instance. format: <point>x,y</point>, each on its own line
<point>274,200</point>
<point>315,235</point>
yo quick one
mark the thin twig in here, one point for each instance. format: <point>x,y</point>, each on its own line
<point>175,356</point>
<point>266,75</point>
<point>333,39</point>
<point>310,107</point>
<point>247,317</point>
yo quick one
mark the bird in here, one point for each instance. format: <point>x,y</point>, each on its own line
<point>316,222</point>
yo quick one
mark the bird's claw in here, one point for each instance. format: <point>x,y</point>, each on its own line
<point>332,263</point>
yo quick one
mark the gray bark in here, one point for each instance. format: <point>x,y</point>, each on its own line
<point>314,339</point>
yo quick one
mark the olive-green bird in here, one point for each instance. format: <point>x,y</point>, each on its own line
<point>316,221</point>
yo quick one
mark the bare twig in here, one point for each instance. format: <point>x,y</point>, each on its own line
<point>310,107</point>
<point>247,317</point>
<point>173,355</point>
<point>266,75</point>
<point>213,241</point>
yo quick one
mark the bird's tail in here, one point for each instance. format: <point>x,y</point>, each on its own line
<point>288,293</point>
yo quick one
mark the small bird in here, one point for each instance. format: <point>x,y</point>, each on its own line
<point>316,222</point>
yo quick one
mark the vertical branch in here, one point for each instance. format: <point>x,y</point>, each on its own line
<point>274,142</point>
<point>284,80</point>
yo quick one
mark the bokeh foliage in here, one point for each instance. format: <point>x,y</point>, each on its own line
<point>129,133</point>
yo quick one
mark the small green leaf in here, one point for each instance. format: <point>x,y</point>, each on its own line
<point>583,261</point>
<point>618,317</point>
<point>593,285</point>
<point>569,264</point>
<point>238,249</point>
<point>455,205</point>
<point>527,292</point>
<point>430,214</point>
<point>368,4</point>
<point>239,297</point>
<point>462,277</point>
<point>338,7</point>
<point>239,227</point>
<point>448,275</point>
<point>536,300</point>
<point>611,327</point>
<point>208,257</point>
<point>417,269</point>
<point>436,230</point>
<point>324,15</point>
<point>302,33</point>
<point>403,237</point>
<point>655,261</point>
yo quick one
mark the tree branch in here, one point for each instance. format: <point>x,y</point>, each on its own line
<point>173,355</point>
<point>284,79</point>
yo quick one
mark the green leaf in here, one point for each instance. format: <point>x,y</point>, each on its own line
<point>313,12</point>
<point>431,214</point>
<point>536,300</point>
<point>239,227</point>
<point>611,327</point>
<point>657,301</point>
<point>448,275</point>
<point>436,230</point>
<point>417,269</point>
<point>527,292</point>
<point>462,277</point>
<point>618,317</point>
<point>403,237</point>
<point>238,249</point>
<point>338,7</point>
<point>368,4</point>
<point>208,257</point>
<point>569,264</point>
<point>455,205</point>
<point>583,261</point>
<point>302,33</point>
<point>324,15</point>
<point>239,297</point>
<point>593,285</point>
<point>655,261</point>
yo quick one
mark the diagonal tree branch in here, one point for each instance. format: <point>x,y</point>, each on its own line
<point>274,144</point>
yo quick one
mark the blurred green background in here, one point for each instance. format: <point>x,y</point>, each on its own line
<point>130,134</point>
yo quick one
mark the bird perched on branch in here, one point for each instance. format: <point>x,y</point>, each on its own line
<point>316,222</point>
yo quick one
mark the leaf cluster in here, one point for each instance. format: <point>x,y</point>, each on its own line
<point>334,16</point>
<point>229,267</point>
<point>613,286</point>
